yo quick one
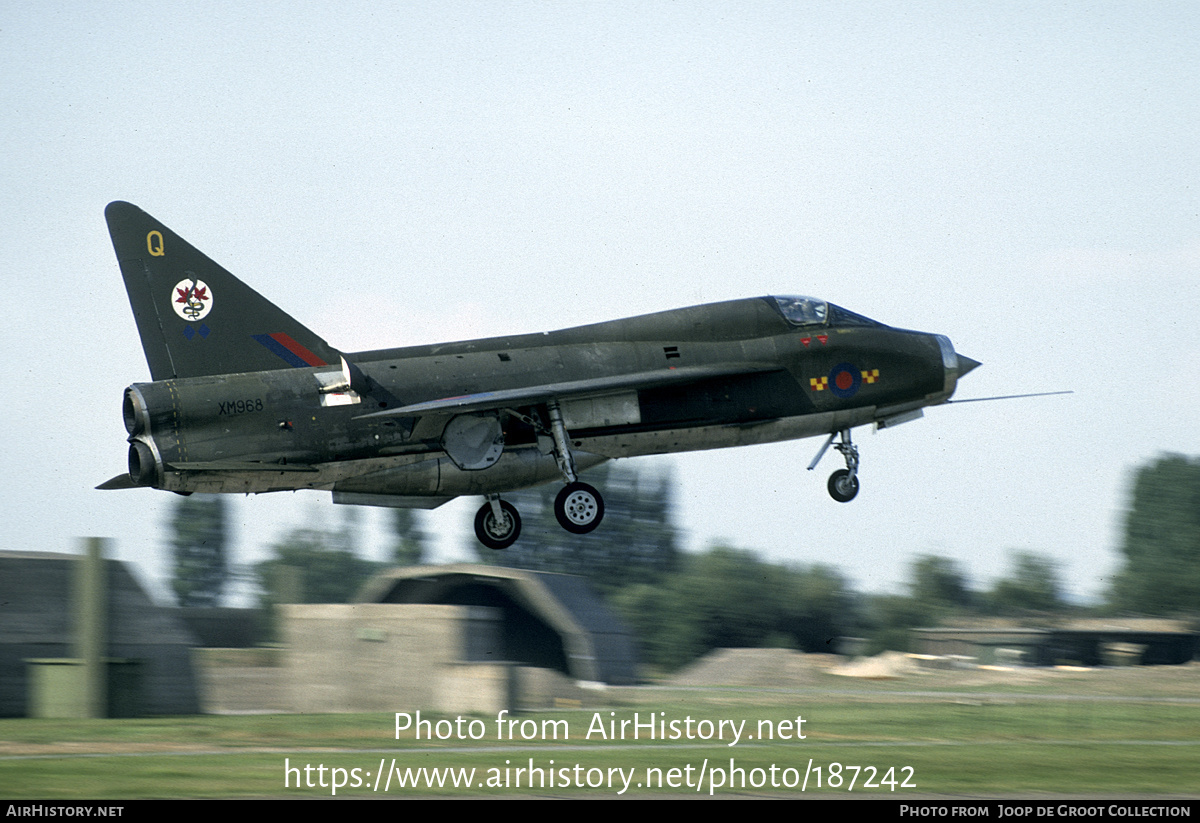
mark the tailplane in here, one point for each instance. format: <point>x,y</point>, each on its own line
<point>194,317</point>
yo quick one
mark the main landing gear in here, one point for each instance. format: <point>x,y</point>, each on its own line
<point>497,524</point>
<point>579,508</point>
<point>843,483</point>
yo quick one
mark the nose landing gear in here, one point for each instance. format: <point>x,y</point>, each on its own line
<point>843,483</point>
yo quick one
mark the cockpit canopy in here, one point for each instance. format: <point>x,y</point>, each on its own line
<point>803,311</point>
<point>809,311</point>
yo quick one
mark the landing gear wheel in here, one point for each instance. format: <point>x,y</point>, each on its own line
<point>579,508</point>
<point>495,534</point>
<point>843,486</point>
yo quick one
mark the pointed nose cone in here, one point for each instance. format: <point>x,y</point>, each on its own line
<point>966,364</point>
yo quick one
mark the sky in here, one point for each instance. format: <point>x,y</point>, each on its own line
<point>1022,177</point>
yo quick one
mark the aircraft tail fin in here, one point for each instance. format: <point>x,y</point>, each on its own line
<point>194,317</point>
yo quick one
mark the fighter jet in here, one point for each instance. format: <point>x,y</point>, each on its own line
<point>245,399</point>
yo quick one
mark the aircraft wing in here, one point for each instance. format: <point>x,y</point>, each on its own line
<point>527,395</point>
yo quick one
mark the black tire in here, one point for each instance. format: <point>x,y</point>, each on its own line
<point>843,487</point>
<point>579,508</point>
<point>490,533</point>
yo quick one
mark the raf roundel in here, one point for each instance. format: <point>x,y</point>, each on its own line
<point>844,380</point>
<point>192,299</point>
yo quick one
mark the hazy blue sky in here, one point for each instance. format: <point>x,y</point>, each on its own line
<point>1021,177</point>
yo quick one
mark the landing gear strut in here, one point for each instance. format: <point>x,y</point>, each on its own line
<point>843,483</point>
<point>579,508</point>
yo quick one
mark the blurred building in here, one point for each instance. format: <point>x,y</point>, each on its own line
<point>37,622</point>
<point>548,620</point>
<point>1108,641</point>
<point>454,638</point>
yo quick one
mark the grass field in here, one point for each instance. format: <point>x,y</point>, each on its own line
<point>1100,733</point>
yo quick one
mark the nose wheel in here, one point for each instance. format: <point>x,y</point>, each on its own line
<point>843,483</point>
<point>843,486</point>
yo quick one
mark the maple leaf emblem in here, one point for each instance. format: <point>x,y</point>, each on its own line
<point>199,293</point>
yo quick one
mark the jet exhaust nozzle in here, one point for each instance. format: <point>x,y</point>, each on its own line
<point>143,469</point>
<point>134,412</point>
